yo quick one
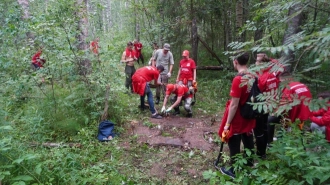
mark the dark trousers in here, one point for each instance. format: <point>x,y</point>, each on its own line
<point>142,59</point>
<point>261,134</point>
<point>129,71</point>
<point>272,120</point>
<point>234,144</point>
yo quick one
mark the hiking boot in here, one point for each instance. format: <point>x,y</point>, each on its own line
<point>189,115</point>
<point>229,172</point>
<point>263,157</point>
<point>142,108</point>
<point>156,116</point>
<point>157,100</point>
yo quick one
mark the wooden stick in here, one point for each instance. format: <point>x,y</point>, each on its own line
<point>106,104</point>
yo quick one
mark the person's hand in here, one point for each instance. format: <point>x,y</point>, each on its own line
<point>226,128</point>
<point>163,109</point>
<point>169,74</point>
<point>224,136</point>
<point>169,109</point>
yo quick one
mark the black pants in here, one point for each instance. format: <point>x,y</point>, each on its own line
<point>272,120</point>
<point>234,144</point>
<point>261,134</point>
<point>129,71</point>
<point>142,59</point>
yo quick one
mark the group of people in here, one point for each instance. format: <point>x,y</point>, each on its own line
<point>235,129</point>
<point>160,69</point>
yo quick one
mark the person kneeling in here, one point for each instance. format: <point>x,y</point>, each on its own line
<point>181,92</point>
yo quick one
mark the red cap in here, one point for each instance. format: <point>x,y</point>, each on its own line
<point>185,53</point>
<point>169,87</point>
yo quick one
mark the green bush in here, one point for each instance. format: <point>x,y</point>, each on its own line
<point>295,158</point>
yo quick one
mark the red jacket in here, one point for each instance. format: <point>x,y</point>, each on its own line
<point>268,81</point>
<point>142,76</point>
<point>323,121</point>
<point>36,59</point>
<point>297,90</point>
<point>239,125</point>
<point>138,47</point>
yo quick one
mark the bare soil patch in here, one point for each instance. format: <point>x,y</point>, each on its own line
<point>178,132</point>
<point>174,149</point>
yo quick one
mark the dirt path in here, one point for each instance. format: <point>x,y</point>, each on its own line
<point>178,132</point>
<point>180,148</point>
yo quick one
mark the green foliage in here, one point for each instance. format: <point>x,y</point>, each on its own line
<point>295,158</point>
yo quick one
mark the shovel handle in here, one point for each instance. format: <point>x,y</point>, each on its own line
<point>219,156</point>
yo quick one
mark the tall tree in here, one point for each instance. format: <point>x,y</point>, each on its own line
<point>84,62</point>
<point>26,16</point>
<point>294,23</point>
<point>194,33</point>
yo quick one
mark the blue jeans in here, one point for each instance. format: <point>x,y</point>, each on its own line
<point>148,92</point>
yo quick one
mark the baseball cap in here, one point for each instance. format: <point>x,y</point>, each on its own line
<point>185,53</point>
<point>169,87</point>
<point>167,46</point>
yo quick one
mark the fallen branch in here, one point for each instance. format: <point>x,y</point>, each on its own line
<point>77,145</point>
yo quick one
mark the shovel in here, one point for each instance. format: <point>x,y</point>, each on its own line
<point>219,156</point>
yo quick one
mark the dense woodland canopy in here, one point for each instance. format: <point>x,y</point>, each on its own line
<point>64,101</point>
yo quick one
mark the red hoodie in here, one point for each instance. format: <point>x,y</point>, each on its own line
<point>323,121</point>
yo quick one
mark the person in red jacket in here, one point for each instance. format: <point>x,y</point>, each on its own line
<point>141,86</point>
<point>38,62</point>
<point>138,48</point>
<point>94,46</point>
<point>129,57</point>
<point>295,91</point>
<point>234,126</point>
<point>321,118</point>
<point>267,83</point>
<point>187,70</point>
<point>181,92</point>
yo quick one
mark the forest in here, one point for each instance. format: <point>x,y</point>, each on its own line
<point>50,116</point>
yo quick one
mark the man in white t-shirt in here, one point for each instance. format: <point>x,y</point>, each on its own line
<point>165,58</point>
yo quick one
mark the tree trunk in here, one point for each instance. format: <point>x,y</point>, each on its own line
<point>194,34</point>
<point>293,28</point>
<point>26,15</point>
<point>239,18</point>
<point>84,62</point>
<point>109,14</point>
<point>25,7</point>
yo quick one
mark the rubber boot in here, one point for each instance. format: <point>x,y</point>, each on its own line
<point>176,111</point>
<point>157,100</point>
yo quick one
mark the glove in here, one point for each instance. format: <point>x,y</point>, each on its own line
<point>163,109</point>
<point>224,136</point>
<point>301,125</point>
<point>169,109</point>
<point>169,74</point>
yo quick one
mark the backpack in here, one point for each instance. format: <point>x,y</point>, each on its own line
<point>105,130</point>
<point>246,109</point>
